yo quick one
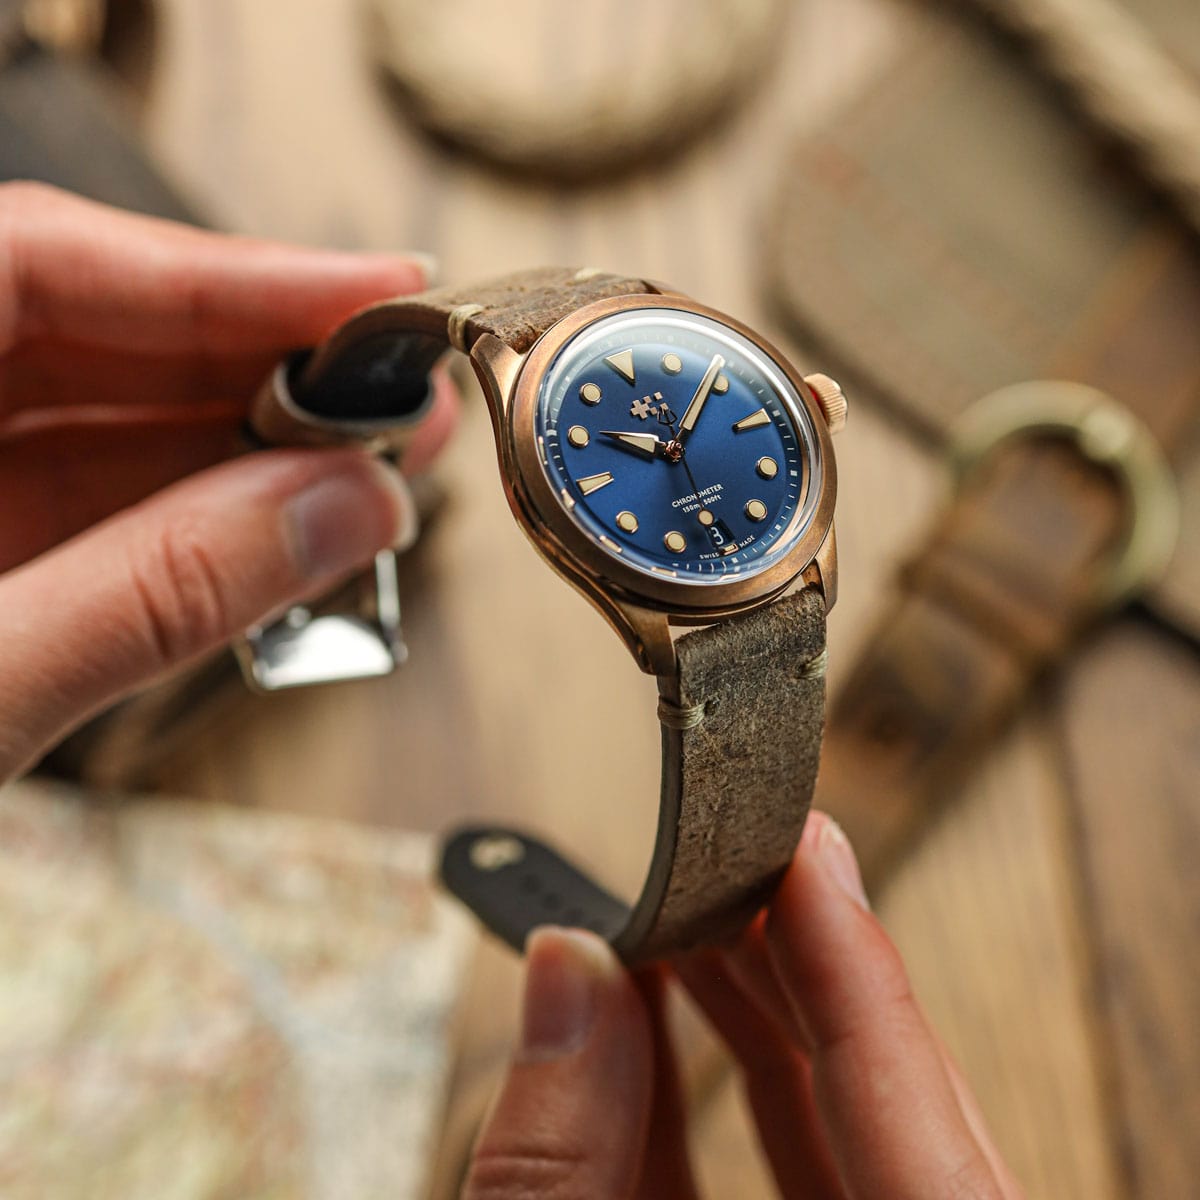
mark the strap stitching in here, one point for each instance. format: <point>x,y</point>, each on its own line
<point>688,716</point>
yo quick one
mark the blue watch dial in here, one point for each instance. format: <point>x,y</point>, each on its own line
<point>678,444</point>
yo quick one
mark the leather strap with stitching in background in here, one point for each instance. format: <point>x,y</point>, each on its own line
<point>741,715</point>
<point>1012,573</point>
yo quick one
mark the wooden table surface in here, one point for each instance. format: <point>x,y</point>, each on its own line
<point>270,116</point>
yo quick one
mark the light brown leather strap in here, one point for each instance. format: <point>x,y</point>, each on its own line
<point>741,738</point>
<point>516,308</point>
<point>1065,275</point>
<point>1001,588</point>
<point>370,379</point>
<point>1005,584</point>
<point>741,742</point>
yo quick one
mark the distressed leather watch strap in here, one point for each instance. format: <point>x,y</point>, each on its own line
<point>741,714</point>
<point>377,364</point>
<point>1001,587</point>
<point>1007,579</point>
<point>741,779</point>
<point>741,727</point>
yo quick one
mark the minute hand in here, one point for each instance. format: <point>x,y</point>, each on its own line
<point>688,421</point>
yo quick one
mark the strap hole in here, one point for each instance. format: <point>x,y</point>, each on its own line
<point>494,851</point>
<point>530,884</point>
<point>551,901</point>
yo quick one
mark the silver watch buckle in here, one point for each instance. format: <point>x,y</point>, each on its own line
<point>303,648</point>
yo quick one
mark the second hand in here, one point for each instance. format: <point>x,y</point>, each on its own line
<point>709,530</point>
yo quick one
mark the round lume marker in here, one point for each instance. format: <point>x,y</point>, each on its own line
<point>578,436</point>
<point>705,517</point>
<point>756,510</point>
<point>768,468</point>
<point>720,385</point>
<point>672,364</point>
<point>675,542</point>
<point>627,522</point>
<point>590,393</point>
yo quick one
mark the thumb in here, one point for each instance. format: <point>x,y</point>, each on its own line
<point>178,575</point>
<point>572,1116</point>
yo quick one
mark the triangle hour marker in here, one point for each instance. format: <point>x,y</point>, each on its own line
<point>622,363</point>
<point>593,483</point>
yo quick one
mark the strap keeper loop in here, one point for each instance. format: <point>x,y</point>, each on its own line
<point>681,717</point>
<point>456,325</point>
<point>816,666</point>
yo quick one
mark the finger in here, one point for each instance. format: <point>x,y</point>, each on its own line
<point>84,273</point>
<point>571,1118</point>
<point>64,479</point>
<point>44,380</point>
<point>666,1169</point>
<point>776,1077</point>
<point>895,1126</point>
<point>748,962</point>
<point>61,482</point>
<point>179,575</point>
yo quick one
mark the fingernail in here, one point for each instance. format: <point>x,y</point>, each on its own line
<point>837,855</point>
<point>429,265</point>
<point>341,521</point>
<point>566,975</point>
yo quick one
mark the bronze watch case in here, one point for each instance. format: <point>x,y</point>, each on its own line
<point>641,608</point>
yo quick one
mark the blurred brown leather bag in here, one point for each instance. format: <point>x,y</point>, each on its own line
<point>959,230</point>
<point>965,226</point>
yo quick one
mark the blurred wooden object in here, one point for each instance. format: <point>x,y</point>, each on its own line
<point>1032,258</point>
<point>518,703</point>
<point>64,118</point>
<point>1131,71</point>
<point>656,93</point>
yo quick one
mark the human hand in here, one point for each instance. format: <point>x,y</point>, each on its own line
<point>853,1094</point>
<point>129,350</point>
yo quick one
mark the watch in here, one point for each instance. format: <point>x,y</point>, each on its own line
<point>671,465</point>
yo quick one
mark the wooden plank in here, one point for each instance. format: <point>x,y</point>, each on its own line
<point>986,913</point>
<point>1132,721</point>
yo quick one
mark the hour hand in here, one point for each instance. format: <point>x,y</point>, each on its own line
<point>648,444</point>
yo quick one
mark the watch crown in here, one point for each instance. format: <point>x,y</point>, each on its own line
<point>832,400</point>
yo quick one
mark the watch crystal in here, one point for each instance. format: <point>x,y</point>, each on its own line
<point>677,443</point>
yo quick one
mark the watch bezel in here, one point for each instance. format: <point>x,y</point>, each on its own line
<point>570,549</point>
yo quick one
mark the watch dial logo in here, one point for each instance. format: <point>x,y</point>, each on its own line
<point>646,407</point>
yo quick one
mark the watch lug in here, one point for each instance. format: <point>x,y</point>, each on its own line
<point>822,572</point>
<point>647,634</point>
<point>497,366</point>
<point>666,289</point>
